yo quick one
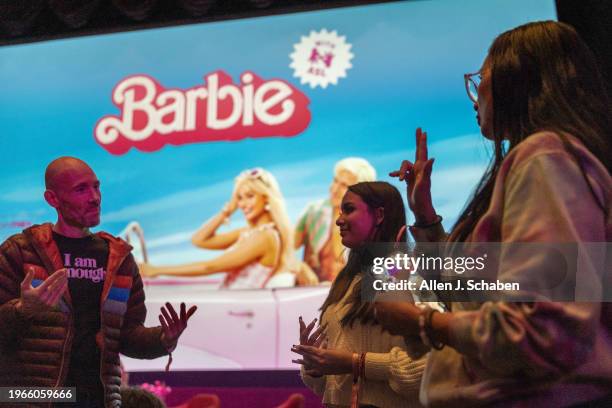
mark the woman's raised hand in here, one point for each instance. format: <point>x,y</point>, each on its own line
<point>417,176</point>
<point>229,207</point>
<point>315,339</point>
<point>317,359</point>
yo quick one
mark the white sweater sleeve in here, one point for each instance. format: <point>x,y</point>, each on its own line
<point>397,368</point>
<point>316,384</point>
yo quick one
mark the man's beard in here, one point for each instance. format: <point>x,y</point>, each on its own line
<point>83,221</point>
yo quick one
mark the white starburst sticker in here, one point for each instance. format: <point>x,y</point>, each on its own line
<point>321,58</point>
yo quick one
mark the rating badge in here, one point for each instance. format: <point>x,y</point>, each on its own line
<point>321,58</point>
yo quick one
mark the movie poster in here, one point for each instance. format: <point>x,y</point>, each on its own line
<point>173,120</point>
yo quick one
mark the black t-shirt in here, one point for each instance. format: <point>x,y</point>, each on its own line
<point>85,259</point>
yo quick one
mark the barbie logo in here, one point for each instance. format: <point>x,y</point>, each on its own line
<point>152,116</point>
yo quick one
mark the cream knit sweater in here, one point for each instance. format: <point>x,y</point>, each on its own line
<point>392,378</point>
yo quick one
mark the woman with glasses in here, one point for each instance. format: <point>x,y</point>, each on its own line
<point>540,94</point>
<point>253,255</point>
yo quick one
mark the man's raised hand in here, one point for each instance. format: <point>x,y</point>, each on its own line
<point>173,325</point>
<point>45,296</point>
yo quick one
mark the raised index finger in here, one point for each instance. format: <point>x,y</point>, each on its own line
<point>421,148</point>
<point>303,336</point>
<point>302,324</point>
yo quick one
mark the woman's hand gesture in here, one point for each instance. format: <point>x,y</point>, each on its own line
<point>315,339</point>
<point>417,176</point>
<point>318,361</point>
<point>229,207</point>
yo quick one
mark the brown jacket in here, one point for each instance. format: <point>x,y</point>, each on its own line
<point>36,351</point>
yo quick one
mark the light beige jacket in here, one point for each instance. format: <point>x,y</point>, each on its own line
<point>541,354</point>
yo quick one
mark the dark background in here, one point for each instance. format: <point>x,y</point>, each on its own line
<point>41,20</point>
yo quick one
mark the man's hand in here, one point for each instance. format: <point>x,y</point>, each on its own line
<point>44,297</point>
<point>173,325</point>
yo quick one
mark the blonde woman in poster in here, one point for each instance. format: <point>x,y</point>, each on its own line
<point>255,256</point>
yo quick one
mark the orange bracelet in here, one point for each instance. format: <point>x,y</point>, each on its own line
<point>355,387</point>
<point>358,372</point>
<point>355,367</point>
<point>362,366</point>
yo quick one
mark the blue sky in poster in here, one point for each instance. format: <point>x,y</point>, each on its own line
<point>407,71</point>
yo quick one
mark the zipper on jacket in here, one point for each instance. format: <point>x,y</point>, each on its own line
<point>104,388</point>
<point>68,334</point>
<point>59,378</point>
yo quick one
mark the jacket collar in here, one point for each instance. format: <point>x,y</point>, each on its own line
<point>41,238</point>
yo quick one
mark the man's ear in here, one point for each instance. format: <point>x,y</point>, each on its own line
<point>379,215</point>
<point>51,198</point>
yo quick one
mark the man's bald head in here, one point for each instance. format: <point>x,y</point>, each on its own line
<point>74,191</point>
<point>56,172</point>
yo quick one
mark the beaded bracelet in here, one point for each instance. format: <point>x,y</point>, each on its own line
<point>358,372</point>
<point>362,365</point>
<point>429,328</point>
<point>436,222</point>
<point>425,327</point>
<point>356,368</point>
<point>422,334</point>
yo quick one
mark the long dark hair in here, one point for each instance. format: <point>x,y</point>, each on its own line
<point>376,194</point>
<point>544,77</point>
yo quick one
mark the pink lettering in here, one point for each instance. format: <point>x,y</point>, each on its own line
<point>152,116</point>
<point>325,58</point>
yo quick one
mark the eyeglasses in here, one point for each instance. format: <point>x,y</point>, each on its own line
<point>472,81</point>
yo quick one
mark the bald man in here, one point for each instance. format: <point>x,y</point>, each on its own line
<point>71,300</point>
